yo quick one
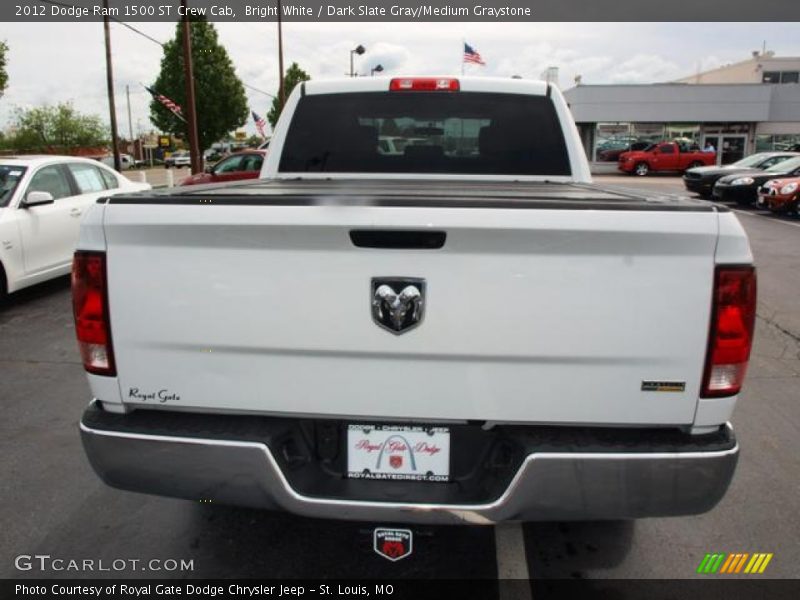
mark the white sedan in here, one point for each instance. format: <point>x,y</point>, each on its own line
<point>42,199</point>
<point>178,160</point>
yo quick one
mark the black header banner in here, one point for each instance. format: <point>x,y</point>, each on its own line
<point>500,11</point>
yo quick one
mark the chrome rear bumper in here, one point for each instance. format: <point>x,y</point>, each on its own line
<point>547,486</point>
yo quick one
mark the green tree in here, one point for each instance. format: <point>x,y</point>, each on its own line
<point>294,75</point>
<point>55,128</point>
<point>3,72</point>
<point>221,103</point>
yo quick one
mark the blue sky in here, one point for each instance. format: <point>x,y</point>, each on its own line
<point>56,62</point>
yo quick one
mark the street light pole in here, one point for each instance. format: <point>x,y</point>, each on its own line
<point>110,84</point>
<point>357,50</point>
<point>191,115</point>
<point>281,92</point>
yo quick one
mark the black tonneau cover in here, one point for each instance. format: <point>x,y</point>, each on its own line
<point>417,193</point>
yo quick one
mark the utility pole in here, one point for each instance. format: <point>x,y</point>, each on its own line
<point>281,93</point>
<point>130,121</point>
<point>110,84</point>
<point>191,115</point>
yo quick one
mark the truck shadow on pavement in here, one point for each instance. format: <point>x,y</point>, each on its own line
<point>575,550</point>
<point>237,542</point>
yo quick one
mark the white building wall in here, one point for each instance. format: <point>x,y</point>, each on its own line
<point>748,71</point>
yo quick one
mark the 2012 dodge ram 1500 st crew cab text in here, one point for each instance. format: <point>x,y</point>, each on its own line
<point>469,331</point>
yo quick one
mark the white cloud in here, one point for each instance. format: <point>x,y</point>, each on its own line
<point>54,62</point>
<point>645,68</point>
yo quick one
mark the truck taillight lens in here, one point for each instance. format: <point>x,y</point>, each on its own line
<point>733,316</point>
<point>424,84</point>
<point>90,309</point>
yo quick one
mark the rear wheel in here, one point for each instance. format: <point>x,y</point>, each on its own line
<point>641,169</point>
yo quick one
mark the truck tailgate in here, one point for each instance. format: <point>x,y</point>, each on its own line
<point>541,315</point>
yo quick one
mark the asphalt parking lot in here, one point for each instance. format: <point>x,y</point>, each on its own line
<point>52,502</point>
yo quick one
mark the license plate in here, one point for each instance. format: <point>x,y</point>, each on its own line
<point>400,452</point>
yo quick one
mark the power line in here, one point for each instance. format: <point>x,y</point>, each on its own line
<point>258,90</point>
<point>132,28</point>
<point>144,35</point>
<point>123,23</point>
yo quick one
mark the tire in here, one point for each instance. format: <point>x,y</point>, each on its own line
<point>641,169</point>
<point>3,285</point>
<point>166,165</point>
<point>695,164</point>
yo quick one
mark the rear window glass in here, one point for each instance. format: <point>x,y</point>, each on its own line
<point>88,178</point>
<point>425,132</point>
<point>110,180</point>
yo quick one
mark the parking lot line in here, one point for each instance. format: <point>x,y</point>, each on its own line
<point>512,561</point>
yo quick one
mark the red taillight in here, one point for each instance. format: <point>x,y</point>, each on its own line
<point>733,316</point>
<point>424,84</point>
<point>90,309</point>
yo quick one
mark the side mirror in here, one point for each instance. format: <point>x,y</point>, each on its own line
<point>36,198</point>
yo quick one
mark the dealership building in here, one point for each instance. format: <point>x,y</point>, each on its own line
<point>742,108</point>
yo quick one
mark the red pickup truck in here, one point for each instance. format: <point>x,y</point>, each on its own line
<point>664,156</point>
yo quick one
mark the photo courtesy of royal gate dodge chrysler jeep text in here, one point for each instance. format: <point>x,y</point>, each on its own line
<point>464,331</point>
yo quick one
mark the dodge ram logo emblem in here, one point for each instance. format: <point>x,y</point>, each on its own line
<point>393,544</point>
<point>398,303</point>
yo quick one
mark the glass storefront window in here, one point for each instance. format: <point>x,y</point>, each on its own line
<point>611,140</point>
<point>786,142</point>
<point>645,134</point>
<point>778,143</point>
<point>686,134</point>
<point>763,143</point>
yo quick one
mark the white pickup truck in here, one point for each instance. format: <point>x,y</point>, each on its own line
<point>467,332</point>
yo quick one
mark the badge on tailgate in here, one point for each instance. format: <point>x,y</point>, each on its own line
<point>398,303</point>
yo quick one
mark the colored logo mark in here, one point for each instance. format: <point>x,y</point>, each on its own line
<point>733,563</point>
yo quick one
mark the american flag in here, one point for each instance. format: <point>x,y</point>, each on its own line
<point>169,104</point>
<point>260,124</point>
<point>471,56</point>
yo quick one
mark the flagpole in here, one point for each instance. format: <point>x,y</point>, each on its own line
<point>463,45</point>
